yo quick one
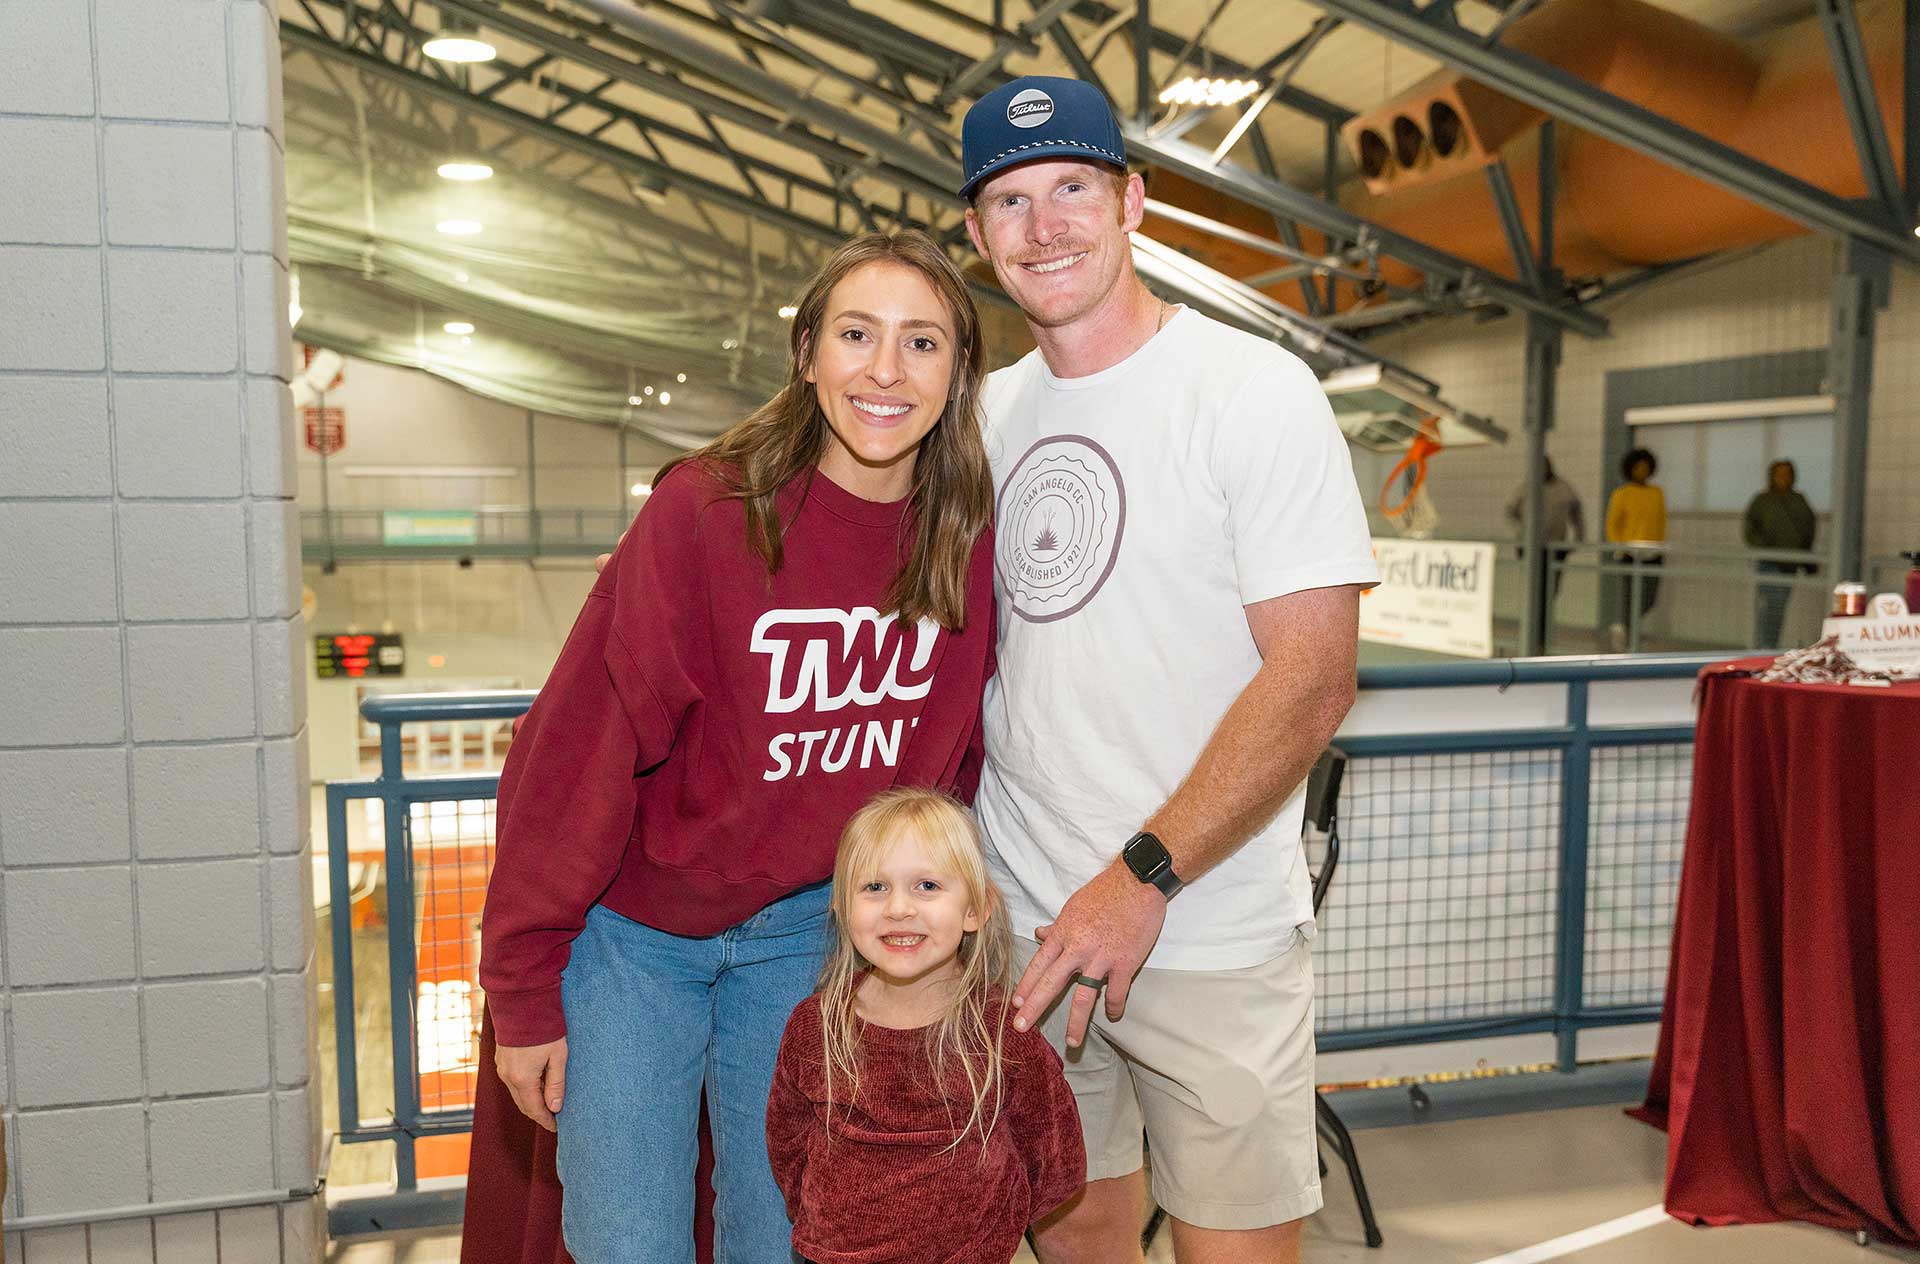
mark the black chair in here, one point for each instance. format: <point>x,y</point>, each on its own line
<point>1323,814</point>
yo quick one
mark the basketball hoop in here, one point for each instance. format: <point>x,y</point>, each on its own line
<point>1414,517</point>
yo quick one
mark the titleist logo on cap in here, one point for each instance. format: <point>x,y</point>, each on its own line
<point>1030,108</point>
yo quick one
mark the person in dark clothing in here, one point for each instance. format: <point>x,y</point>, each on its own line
<point>1562,519</point>
<point>1777,518</point>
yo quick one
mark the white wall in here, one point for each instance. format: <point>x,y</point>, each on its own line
<point>500,624</point>
<point>403,417</point>
<point>1772,300</point>
<point>154,851</point>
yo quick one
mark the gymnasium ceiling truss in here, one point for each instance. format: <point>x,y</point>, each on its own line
<point>636,88</point>
<point>627,85</point>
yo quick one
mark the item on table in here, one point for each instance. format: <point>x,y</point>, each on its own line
<point>1913,582</point>
<point>1849,600</point>
<point>1822,663</point>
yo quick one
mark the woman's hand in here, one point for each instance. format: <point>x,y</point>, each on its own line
<point>536,1075</point>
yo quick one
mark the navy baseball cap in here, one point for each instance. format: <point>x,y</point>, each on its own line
<point>1038,116</point>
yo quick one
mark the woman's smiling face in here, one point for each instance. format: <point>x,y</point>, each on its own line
<point>882,372</point>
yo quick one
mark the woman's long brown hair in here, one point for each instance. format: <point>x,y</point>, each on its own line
<point>952,496</point>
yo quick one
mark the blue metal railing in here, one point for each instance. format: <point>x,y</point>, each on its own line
<point>1445,750</point>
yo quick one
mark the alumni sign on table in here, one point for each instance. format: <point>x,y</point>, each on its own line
<point>1433,595</point>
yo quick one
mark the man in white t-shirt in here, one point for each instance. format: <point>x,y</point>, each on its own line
<point>1181,551</point>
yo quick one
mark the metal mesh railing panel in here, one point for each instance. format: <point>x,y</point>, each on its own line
<point>1443,905</point>
<point>452,858</point>
<point>1636,835</point>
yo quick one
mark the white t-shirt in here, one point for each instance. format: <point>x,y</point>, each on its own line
<point>1139,510</point>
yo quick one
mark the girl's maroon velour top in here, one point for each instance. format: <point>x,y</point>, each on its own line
<point>875,1182</point>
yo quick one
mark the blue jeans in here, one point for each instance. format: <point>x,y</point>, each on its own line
<point>653,1018</point>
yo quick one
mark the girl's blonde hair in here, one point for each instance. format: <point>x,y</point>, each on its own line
<point>952,496</point>
<point>969,1033</point>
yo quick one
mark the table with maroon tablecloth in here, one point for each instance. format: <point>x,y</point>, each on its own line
<point>1788,1070</point>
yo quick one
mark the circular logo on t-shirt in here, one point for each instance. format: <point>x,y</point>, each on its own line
<point>1029,108</point>
<point>1061,514</point>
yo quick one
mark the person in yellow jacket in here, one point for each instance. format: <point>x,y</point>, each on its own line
<point>1636,514</point>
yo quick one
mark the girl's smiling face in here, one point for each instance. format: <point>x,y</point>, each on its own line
<point>907,917</point>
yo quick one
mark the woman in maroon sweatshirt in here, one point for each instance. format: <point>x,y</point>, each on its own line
<point>801,616</point>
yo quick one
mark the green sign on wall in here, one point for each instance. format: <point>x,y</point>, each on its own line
<point>429,526</point>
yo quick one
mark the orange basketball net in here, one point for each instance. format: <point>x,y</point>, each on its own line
<point>1414,515</point>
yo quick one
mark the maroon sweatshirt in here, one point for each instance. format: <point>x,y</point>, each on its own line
<point>708,728</point>
<point>876,1184</point>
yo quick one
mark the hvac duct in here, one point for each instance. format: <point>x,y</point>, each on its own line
<point>1422,156</point>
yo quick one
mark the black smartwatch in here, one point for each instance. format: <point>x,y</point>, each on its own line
<point>1150,861</point>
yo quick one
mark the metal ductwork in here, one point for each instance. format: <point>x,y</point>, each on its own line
<point>1423,156</point>
<point>1776,100</point>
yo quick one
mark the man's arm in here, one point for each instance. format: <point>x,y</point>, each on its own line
<point>1263,748</point>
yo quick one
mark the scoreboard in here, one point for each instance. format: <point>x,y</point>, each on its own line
<point>358,654</point>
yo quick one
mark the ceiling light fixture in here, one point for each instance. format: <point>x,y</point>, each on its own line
<point>666,397</point>
<point>1209,93</point>
<point>789,311</point>
<point>680,377</point>
<point>458,227</point>
<point>635,400</point>
<point>647,390</point>
<point>458,326</point>
<point>640,489</point>
<point>465,171</point>
<point>458,42</point>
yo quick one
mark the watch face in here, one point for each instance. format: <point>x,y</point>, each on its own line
<point>1146,856</point>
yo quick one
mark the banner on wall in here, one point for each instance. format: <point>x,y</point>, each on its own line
<point>1433,595</point>
<point>326,429</point>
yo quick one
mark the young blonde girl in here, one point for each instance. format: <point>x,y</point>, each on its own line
<point>908,1121</point>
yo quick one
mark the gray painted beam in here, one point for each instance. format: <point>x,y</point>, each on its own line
<point>1860,290</point>
<point>1854,76</point>
<point>1551,89</point>
<point>1283,199</point>
<point>612,155</point>
<point>1165,41</point>
<point>1511,223</point>
<point>584,54</point>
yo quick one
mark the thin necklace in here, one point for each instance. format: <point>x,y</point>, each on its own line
<point>1166,309</point>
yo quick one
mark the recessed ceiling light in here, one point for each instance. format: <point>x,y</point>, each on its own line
<point>680,377</point>
<point>728,344</point>
<point>666,397</point>
<point>458,227</point>
<point>458,41</point>
<point>647,390</point>
<point>789,311</point>
<point>640,489</point>
<point>458,326</point>
<point>462,170</point>
<point>635,400</point>
<point>1208,92</point>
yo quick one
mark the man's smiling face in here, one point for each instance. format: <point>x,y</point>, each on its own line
<point>1055,231</point>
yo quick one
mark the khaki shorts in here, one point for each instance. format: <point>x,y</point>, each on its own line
<point>1216,1068</point>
